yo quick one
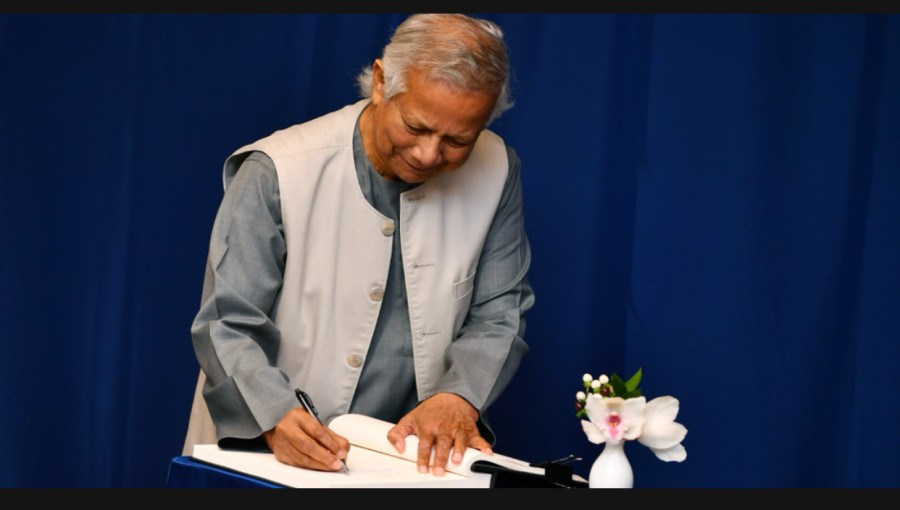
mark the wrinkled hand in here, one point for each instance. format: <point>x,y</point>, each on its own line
<point>442,422</point>
<point>300,440</point>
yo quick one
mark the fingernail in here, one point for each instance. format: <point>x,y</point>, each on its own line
<point>438,471</point>
<point>423,469</point>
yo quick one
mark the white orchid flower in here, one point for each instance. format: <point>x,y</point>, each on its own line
<point>613,419</point>
<point>660,431</point>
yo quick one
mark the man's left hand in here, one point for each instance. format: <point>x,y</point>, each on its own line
<point>443,422</point>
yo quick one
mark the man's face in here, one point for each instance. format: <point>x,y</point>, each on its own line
<point>429,129</point>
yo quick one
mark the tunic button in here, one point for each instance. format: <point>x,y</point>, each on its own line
<point>387,228</point>
<point>376,294</point>
<point>354,360</point>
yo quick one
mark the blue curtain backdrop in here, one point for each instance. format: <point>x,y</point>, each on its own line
<point>712,198</point>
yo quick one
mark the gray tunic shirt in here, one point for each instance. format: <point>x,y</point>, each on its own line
<point>386,390</point>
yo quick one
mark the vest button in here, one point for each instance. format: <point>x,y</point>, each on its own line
<point>376,294</point>
<point>354,360</point>
<point>387,228</point>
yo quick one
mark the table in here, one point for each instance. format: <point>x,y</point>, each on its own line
<point>185,472</point>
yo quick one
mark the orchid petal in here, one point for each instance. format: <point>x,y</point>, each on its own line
<point>659,434</point>
<point>617,419</point>
<point>597,408</point>
<point>594,433</point>
<point>676,453</point>
<point>662,408</point>
<point>633,414</point>
<point>660,430</point>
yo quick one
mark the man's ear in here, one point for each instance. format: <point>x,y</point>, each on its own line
<point>377,82</point>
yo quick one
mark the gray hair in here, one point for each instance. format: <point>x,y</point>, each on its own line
<point>466,53</point>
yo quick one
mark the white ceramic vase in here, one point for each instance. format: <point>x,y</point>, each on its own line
<point>611,470</point>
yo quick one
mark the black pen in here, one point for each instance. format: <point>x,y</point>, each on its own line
<point>307,404</point>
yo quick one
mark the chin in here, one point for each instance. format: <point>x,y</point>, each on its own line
<point>414,179</point>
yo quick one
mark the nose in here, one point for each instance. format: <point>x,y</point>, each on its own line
<point>428,150</point>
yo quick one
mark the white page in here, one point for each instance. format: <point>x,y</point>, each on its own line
<point>368,469</point>
<point>371,433</point>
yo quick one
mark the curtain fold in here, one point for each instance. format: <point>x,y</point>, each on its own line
<point>709,197</point>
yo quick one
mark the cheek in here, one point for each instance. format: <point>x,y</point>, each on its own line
<point>399,138</point>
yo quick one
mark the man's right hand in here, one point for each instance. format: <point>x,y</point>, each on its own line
<point>300,440</point>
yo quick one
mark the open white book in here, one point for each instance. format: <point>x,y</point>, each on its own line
<point>372,460</point>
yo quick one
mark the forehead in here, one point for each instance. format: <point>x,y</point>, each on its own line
<point>438,106</point>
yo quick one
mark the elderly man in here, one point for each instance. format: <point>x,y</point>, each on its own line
<point>374,257</point>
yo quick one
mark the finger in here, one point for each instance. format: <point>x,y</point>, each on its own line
<point>306,455</point>
<point>343,445</point>
<point>397,434</point>
<point>317,445</point>
<point>423,457</point>
<point>480,443</point>
<point>296,448</point>
<point>441,454</point>
<point>460,443</point>
<point>332,442</point>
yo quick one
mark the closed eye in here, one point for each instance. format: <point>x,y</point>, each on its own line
<point>458,143</point>
<point>416,130</point>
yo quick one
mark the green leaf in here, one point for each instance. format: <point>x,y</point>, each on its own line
<point>618,385</point>
<point>633,393</point>
<point>634,381</point>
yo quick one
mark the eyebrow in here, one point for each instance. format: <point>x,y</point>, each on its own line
<point>417,124</point>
